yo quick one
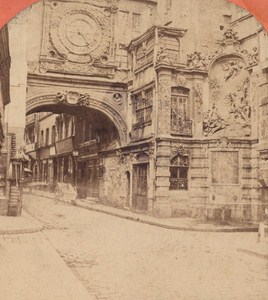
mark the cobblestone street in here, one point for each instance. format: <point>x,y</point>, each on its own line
<point>120,259</point>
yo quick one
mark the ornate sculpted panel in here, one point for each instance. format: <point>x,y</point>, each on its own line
<point>198,96</point>
<point>77,38</point>
<point>179,150</point>
<point>229,44</point>
<point>179,79</point>
<point>230,110</point>
<point>164,106</point>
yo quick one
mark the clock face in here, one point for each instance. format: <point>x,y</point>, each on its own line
<point>80,34</point>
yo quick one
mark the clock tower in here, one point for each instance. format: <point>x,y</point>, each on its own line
<point>78,38</point>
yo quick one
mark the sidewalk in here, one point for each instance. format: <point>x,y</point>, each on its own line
<point>30,267</point>
<point>19,225</point>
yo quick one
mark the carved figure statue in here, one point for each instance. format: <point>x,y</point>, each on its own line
<point>60,97</point>
<point>254,57</point>
<point>196,60</point>
<point>83,99</point>
<point>232,69</point>
<point>162,57</point>
<point>213,122</point>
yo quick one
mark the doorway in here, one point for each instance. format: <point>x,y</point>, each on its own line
<point>93,181</point>
<point>140,187</point>
<point>128,189</point>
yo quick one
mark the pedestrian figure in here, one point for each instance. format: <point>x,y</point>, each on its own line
<point>261,232</point>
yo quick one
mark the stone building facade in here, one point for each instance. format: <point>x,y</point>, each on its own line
<point>163,104</point>
<point>4,100</point>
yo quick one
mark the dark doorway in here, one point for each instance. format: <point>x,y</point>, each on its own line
<point>82,180</point>
<point>140,188</point>
<point>128,189</point>
<point>93,181</point>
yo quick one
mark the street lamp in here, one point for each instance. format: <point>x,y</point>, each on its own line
<point>75,153</point>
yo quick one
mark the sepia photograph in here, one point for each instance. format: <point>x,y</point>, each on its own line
<point>134,151</point>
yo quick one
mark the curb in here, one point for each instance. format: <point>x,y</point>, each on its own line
<point>166,226</point>
<point>21,231</point>
<point>252,253</point>
<point>35,229</point>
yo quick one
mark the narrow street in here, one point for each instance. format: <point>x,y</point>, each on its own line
<point>120,259</point>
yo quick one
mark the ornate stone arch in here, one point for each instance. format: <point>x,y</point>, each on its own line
<point>179,150</point>
<point>75,99</point>
<point>142,157</point>
<point>224,55</point>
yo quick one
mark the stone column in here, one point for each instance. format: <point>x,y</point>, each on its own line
<point>43,169</point>
<point>62,169</point>
<point>162,207</point>
<point>58,169</point>
<point>151,176</point>
<point>199,92</point>
<point>164,102</point>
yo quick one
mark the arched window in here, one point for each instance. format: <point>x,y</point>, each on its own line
<point>179,167</point>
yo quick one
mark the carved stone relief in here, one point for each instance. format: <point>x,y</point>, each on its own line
<point>162,57</point>
<point>179,79</point>
<point>230,110</point>
<point>164,106</point>
<point>198,95</point>
<point>179,150</point>
<point>117,98</point>
<point>77,38</point>
<point>223,143</point>
<point>73,98</point>
<point>196,61</point>
<point>229,44</point>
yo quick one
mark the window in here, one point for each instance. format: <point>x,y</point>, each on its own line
<point>89,131</point>
<point>143,106</point>
<point>66,134</point>
<point>53,134</point>
<point>180,122</point>
<point>136,21</point>
<point>179,173</point>
<point>47,136</point>
<point>30,137</point>
<point>60,130</point>
<point>42,138</point>
<point>72,127</point>
<point>123,19</point>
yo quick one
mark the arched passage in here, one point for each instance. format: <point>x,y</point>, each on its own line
<point>82,105</point>
<point>86,131</point>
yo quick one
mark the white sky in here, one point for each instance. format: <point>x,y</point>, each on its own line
<point>15,111</point>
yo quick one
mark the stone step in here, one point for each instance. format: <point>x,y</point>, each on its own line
<point>90,200</point>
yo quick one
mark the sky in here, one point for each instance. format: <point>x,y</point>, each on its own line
<point>15,111</point>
